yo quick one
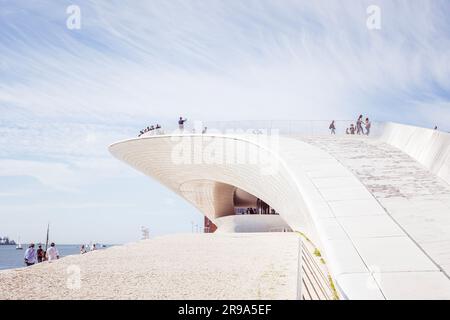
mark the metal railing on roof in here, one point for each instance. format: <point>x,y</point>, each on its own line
<point>282,127</point>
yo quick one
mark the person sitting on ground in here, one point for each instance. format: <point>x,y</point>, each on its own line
<point>347,131</point>
<point>30,255</point>
<point>204,130</point>
<point>52,253</point>
<point>352,129</point>
<point>158,126</point>
<point>83,249</point>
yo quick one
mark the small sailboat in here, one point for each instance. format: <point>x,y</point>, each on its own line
<point>19,245</point>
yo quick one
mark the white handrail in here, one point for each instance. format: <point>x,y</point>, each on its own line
<point>283,127</point>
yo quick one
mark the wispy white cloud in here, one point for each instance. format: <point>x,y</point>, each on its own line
<point>159,59</point>
<point>66,176</point>
<point>10,194</point>
<point>65,95</point>
<point>64,206</point>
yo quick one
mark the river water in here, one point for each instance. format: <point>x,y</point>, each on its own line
<point>12,258</point>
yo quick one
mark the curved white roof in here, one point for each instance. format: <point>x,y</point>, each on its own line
<point>380,218</point>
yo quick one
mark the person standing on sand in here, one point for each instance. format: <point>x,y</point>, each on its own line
<point>30,255</point>
<point>52,253</point>
<point>40,254</point>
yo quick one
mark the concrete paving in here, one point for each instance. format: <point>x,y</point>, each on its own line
<point>416,200</point>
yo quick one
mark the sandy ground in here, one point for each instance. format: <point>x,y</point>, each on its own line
<point>192,266</point>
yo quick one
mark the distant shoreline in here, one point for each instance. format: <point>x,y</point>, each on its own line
<point>11,258</point>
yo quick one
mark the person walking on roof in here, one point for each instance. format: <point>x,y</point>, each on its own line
<point>332,127</point>
<point>359,128</point>
<point>368,125</point>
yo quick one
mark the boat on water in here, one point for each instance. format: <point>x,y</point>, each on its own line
<point>19,245</point>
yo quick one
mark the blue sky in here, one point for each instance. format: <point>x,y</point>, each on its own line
<point>65,95</point>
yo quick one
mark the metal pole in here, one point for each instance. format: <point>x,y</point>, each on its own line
<point>300,272</point>
<point>46,241</point>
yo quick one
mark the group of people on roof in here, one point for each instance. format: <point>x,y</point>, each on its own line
<point>358,129</point>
